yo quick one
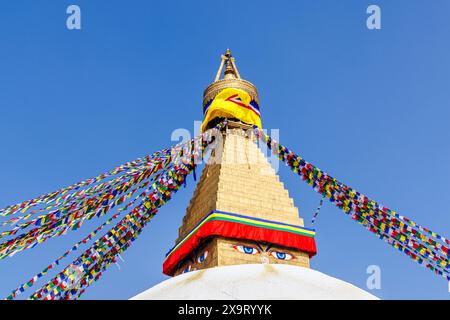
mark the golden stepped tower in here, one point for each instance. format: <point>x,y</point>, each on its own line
<point>239,183</point>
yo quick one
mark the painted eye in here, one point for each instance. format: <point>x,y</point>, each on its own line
<point>187,269</point>
<point>202,257</point>
<point>246,249</point>
<point>281,255</point>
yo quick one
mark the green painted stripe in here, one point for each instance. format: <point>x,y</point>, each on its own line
<point>263,225</point>
<point>232,219</point>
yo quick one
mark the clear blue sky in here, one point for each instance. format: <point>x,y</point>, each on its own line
<point>372,108</point>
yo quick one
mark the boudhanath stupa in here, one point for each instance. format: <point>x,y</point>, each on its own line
<point>242,236</point>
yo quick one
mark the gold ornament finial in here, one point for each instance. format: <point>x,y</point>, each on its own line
<point>231,71</point>
<point>231,79</point>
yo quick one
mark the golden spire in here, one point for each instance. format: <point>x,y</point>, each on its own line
<point>231,72</point>
<point>231,79</point>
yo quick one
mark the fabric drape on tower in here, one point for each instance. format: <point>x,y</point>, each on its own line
<point>232,103</point>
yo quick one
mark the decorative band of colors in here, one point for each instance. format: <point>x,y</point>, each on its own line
<point>232,225</point>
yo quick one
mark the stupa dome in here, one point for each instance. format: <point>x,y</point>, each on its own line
<point>255,282</point>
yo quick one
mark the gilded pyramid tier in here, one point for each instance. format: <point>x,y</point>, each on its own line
<point>240,212</point>
<point>238,178</point>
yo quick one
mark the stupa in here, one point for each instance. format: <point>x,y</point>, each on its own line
<point>242,236</point>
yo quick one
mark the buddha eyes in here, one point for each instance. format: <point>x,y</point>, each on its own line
<point>202,257</point>
<point>281,255</point>
<point>187,269</point>
<point>246,249</point>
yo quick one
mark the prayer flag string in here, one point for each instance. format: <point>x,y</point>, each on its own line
<point>159,175</point>
<point>316,213</point>
<point>91,264</point>
<point>424,246</point>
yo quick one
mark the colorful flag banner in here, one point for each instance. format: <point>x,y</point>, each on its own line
<point>421,244</point>
<point>117,240</point>
<point>316,213</point>
<point>159,176</point>
<point>70,211</point>
<point>75,247</point>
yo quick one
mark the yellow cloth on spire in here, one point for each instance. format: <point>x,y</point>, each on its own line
<point>232,103</point>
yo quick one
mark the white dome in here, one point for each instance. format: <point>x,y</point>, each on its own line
<point>254,281</point>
